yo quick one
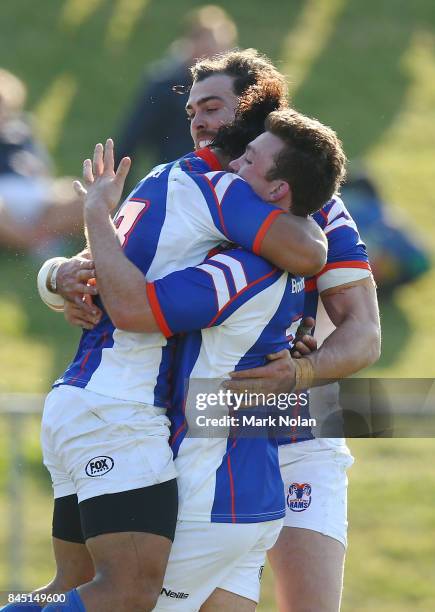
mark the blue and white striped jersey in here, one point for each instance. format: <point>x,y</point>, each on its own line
<point>347,261</point>
<point>173,218</point>
<point>236,308</point>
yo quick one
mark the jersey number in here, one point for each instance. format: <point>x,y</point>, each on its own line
<point>129,215</point>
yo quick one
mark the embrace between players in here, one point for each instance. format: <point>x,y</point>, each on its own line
<point>170,310</point>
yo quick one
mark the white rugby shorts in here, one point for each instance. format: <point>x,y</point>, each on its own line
<point>94,445</point>
<point>315,485</point>
<point>207,556</point>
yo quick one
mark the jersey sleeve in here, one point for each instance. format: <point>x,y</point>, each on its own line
<point>347,254</point>
<point>237,211</point>
<point>206,295</point>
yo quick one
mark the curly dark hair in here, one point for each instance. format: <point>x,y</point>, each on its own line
<point>260,88</point>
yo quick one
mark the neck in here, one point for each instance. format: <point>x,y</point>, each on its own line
<point>224,160</point>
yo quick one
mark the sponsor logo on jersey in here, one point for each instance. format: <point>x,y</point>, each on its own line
<point>174,594</point>
<point>298,285</point>
<point>299,496</point>
<point>260,573</point>
<point>98,466</point>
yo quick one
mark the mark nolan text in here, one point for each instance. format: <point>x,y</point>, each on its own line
<point>254,421</point>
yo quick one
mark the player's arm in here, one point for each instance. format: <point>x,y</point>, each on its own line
<point>295,244</point>
<point>356,342</point>
<point>354,345</point>
<point>291,243</point>
<point>351,305</point>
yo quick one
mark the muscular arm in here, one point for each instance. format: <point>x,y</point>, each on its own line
<point>295,244</point>
<point>354,344</point>
<point>356,341</point>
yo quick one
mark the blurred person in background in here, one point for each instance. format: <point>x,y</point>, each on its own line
<point>36,210</point>
<point>397,255</point>
<point>157,120</point>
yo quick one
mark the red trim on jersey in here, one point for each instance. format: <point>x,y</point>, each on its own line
<point>178,432</point>
<point>310,284</point>
<point>210,158</point>
<point>263,230</point>
<point>213,251</point>
<point>364,265</point>
<point>258,280</point>
<point>233,498</point>
<point>82,367</point>
<point>324,215</point>
<point>157,311</point>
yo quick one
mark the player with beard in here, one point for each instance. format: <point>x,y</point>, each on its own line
<point>111,365</point>
<point>232,310</point>
<point>349,296</point>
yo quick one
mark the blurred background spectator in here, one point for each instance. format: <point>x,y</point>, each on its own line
<point>397,256</point>
<point>157,120</point>
<point>36,210</point>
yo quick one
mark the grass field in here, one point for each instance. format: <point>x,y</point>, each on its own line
<point>391,554</point>
<point>366,68</point>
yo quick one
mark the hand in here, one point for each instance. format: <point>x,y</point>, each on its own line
<point>103,187</point>
<point>77,315</point>
<point>73,279</point>
<point>278,376</point>
<point>304,341</point>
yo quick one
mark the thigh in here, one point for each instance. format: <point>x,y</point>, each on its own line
<point>129,534</point>
<point>201,557</point>
<point>106,445</point>
<point>230,602</point>
<point>130,556</point>
<point>74,565</point>
<point>244,579</point>
<point>308,570</point>
<point>315,487</point>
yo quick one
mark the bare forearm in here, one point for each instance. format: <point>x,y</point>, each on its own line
<point>121,284</point>
<point>295,244</point>
<point>356,341</point>
<point>351,347</point>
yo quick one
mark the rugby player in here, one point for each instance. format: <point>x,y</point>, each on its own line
<point>231,494</point>
<point>308,559</point>
<point>353,309</point>
<point>110,374</point>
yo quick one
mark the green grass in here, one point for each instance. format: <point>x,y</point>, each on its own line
<point>366,68</point>
<point>390,562</point>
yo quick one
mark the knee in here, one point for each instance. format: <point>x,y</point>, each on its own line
<point>62,582</point>
<point>144,600</point>
<point>130,593</point>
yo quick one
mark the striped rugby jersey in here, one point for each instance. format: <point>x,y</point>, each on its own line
<point>347,261</point>
<point>172,219</point>
<point>235,308</point>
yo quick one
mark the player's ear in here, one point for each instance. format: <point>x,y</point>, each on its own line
<point>279,190</point>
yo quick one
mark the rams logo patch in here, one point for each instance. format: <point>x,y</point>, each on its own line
<point>299,496</point>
